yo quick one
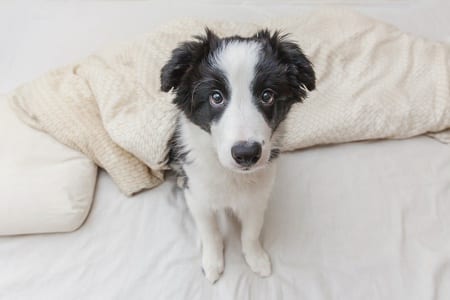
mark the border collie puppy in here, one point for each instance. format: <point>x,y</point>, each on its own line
<point>233,93</point>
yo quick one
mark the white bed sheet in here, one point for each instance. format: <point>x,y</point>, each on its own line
<point>364,220</point>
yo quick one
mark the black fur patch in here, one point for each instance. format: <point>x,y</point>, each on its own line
<point>274,153</point>
<point>191,74</point>
<point>177,158</point>
<point>283,68</point>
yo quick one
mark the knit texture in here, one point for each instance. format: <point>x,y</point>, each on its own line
<point>373,82</point>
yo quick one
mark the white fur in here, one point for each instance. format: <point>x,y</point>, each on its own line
<point>214,182</point>
<point>241,120</point>
<point>212,187</point>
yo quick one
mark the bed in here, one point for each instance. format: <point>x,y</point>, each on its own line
<point>366,220</point>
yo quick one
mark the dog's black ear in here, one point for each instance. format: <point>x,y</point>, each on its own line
<point>185,57</point>
<point>290,54</point>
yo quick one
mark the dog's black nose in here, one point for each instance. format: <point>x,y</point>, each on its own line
<point>246,153</point>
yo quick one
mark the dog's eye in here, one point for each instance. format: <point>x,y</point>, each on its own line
<point>267,97</point>
<point>216,98</point>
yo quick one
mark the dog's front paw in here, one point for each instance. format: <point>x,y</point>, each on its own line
<point>212,264</point>
<point>259,261</point>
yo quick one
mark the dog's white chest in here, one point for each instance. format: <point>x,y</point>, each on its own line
<point>219,188</point>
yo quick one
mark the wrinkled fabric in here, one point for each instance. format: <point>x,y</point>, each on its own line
<point>374,82</point>
<point>356,221</point>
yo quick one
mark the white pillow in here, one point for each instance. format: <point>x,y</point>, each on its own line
<point>44,185</point>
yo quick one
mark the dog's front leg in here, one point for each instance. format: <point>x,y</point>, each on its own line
<point>212,244</point>
<point>255,255</point>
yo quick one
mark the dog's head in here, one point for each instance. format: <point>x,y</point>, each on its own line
<point>239,90</point>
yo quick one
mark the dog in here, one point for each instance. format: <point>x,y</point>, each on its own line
<point>233,94</point>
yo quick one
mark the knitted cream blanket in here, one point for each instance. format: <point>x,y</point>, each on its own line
<point>373,82</point>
